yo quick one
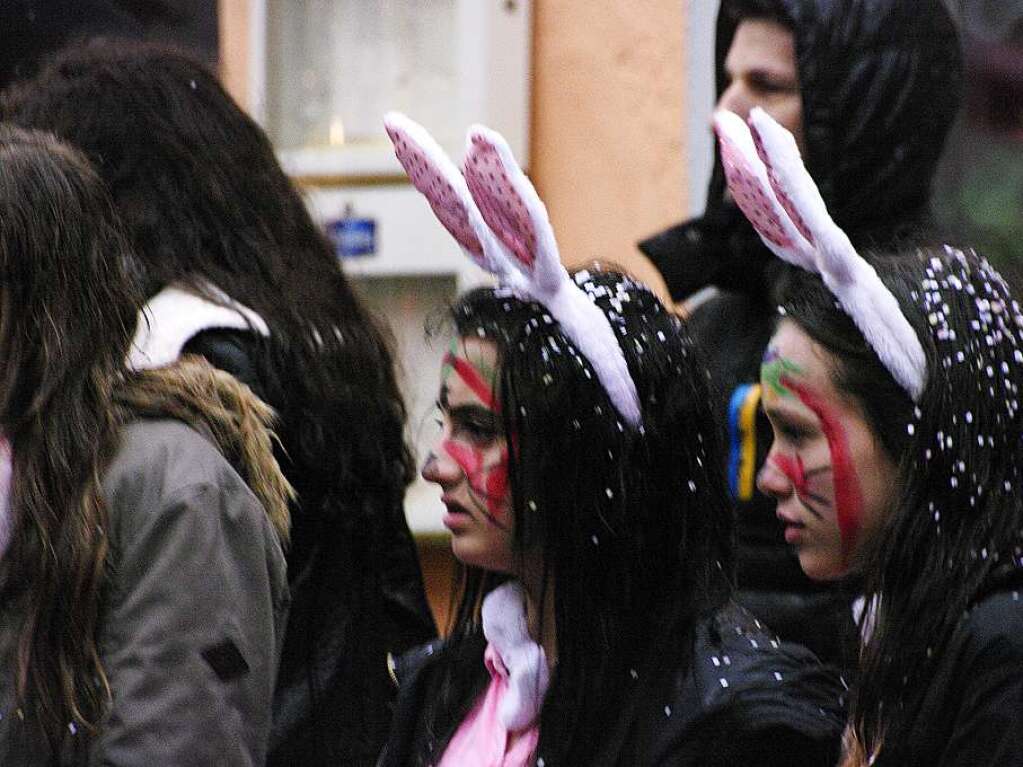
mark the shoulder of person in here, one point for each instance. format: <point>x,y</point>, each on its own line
<point>163,464</point>
<point>993,627</point>
<point>971,709</point>
<point>169,454</point>
<point>168,487</point>
<point>405,668</point>
<point>741,668</point>
<point>741,694</point>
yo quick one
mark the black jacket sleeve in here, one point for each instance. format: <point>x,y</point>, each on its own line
<point>988,687</point>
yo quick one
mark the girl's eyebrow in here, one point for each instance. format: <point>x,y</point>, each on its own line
<point>471,411</point>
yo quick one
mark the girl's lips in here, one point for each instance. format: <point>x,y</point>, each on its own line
<point>794,534</point>
<point>456,516</point>
<point>793,528</point>
<point>455,520</point>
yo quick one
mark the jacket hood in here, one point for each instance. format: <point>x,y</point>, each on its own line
<point>881,82</point>
<point>215,404</point>
<point>177,313</point>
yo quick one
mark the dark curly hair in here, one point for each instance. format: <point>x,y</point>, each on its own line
<point>205,202</point>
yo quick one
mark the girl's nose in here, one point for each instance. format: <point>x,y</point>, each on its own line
<point>772,481</point>
<point>440,468</point>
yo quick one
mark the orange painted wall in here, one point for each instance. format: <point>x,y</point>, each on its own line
<point>233,23</point>
<point>607,138</point>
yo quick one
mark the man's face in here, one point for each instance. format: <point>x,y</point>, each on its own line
<point>761,67</point>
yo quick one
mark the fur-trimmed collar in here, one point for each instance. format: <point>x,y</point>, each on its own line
<point>219,406</point>
<point>176,314</point>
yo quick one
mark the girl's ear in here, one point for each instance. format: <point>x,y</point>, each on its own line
<point>511,207</point>
<point>437,178</point>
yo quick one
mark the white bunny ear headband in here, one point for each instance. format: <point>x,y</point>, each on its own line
<point>495,214</point>
<point>770,184</point>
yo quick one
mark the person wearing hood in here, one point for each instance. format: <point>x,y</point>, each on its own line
<point>142,514</point>
<point>869,89</point>
<point>236,271</point>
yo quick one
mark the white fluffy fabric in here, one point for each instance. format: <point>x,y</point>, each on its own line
<point>506,629</point>
<point>507,217</point>
<point>175,315</point>
<point>778,171</point>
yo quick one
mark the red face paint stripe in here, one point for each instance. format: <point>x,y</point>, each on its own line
<point>490,484</point>
<point>472,379</point>
<point>848,497</point>
<point>793,469</point>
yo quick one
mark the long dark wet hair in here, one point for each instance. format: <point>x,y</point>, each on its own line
<point>205,201</point>
<point>633,525</point>
<point>68,305</point>
<point>954,529</point>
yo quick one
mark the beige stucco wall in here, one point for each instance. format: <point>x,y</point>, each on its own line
<point>233,21</point>
<point>607,128</point>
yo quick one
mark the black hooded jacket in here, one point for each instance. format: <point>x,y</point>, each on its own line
<point>880,82</point>
<point>726,693</point>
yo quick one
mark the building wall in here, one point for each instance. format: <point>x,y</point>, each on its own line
<point>608,138</point>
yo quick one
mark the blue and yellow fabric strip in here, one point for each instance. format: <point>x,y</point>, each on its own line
<point>742,438</point>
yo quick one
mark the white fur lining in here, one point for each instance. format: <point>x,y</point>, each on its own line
<point>175,315</point>
<point>503,225</point>
<point>507,630</point>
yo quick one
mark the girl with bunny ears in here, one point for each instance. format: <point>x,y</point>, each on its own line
<point>893,389</point>
<point>578,464</point>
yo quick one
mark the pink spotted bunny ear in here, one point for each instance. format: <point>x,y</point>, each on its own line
<point>433,173</point>
<point>511,207</point>
<point>769,182</point>
<point>751,188</point>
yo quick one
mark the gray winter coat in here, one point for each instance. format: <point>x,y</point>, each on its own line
<point>192,616</point>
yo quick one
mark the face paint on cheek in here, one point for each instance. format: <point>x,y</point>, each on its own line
<point>488,482</point>
<point>848,496</point>
<point>793,469</point>
<point>802,482</point>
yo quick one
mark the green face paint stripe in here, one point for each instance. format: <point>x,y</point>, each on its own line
<point>774,370</point>
<point>445,368</point>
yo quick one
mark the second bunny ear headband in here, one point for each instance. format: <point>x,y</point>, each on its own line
<point>495,214</point>
<point>769,182</point>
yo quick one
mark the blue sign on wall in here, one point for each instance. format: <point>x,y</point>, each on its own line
<point>353,237</point>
